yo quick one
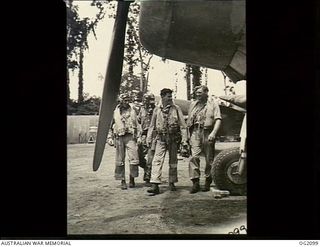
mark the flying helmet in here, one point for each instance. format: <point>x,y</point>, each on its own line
<point>124,97</point>
<point>148,98</point>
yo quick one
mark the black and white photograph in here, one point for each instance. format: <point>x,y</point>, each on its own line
<point>161,120</point>
<point>156,125</point>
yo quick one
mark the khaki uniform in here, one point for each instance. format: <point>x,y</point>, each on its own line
<point>201,120</point>
<point>144,119</point>
<point>170,131</point>
<point>125,131</point>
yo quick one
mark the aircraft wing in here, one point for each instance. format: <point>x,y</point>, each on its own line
<point>204,33</point>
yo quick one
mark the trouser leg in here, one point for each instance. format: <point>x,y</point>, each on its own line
<point>209,149</point>
<point>194,162</point>
<point>195,185</point>
<point>150,156</point>
<point>119,173</point>
<point>132,151</point>
<point>173,162</point>
<point>157,162</point>
<point>141,153</point>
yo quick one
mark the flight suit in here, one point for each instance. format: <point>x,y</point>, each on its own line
<point>125,132</point>
<point>144,119</point>
<point>170,131</point>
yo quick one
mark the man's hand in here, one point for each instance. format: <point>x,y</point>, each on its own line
<point>139,141</point>
<point>110,142</point>
<point>212,136</point>
<point>148,143</point>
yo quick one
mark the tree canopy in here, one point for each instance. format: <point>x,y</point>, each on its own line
<point>78,30</point>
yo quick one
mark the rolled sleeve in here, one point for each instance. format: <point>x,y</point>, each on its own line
<point>216,110</point>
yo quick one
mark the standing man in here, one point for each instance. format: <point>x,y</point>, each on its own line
<point>144,119</point>
<point>124,132</point>
<point>136,106</point>
<point>167,120</point>
<point>204,120</point>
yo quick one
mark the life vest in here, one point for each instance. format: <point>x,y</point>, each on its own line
<point>125,122</point>
<point>169,125</point>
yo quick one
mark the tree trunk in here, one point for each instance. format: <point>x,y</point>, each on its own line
<point>196,76</point>
<point>146,72</point>
<point>206,76</point>
<point>68,86</point>
<point>142,71</point>
<point>142,80</point>
<point>80,83</point>
<point>129,53</point>
<point>130,75</point>
<point>147,82</point>
<point>224,82</point>
<point>144,67</point>
<point>188,81</point>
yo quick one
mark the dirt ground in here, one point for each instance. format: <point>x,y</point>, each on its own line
<point>97,205</point>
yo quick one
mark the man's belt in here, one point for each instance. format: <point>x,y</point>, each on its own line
<point>123,133</point>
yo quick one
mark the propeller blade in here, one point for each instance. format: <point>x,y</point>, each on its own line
<point>112,81</point>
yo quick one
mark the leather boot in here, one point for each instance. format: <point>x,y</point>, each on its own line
<point>196,186</point>
<point>154,189</point>
<point>132,183</point>
<point>172,187</point>
<point>148,184</point>
<point>123,185</point>
<point>207,184</point>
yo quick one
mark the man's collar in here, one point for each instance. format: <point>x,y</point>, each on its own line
<point>167,106</point>
<point>201,102</point>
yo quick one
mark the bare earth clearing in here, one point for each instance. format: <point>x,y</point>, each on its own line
<point>97,205</point>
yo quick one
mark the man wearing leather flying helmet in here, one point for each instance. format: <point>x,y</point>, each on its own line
<point>124,134</point>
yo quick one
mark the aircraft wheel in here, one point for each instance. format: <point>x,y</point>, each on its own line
<point>224,172</point>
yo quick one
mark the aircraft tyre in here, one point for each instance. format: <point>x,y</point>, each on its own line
<point>224,174</point>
